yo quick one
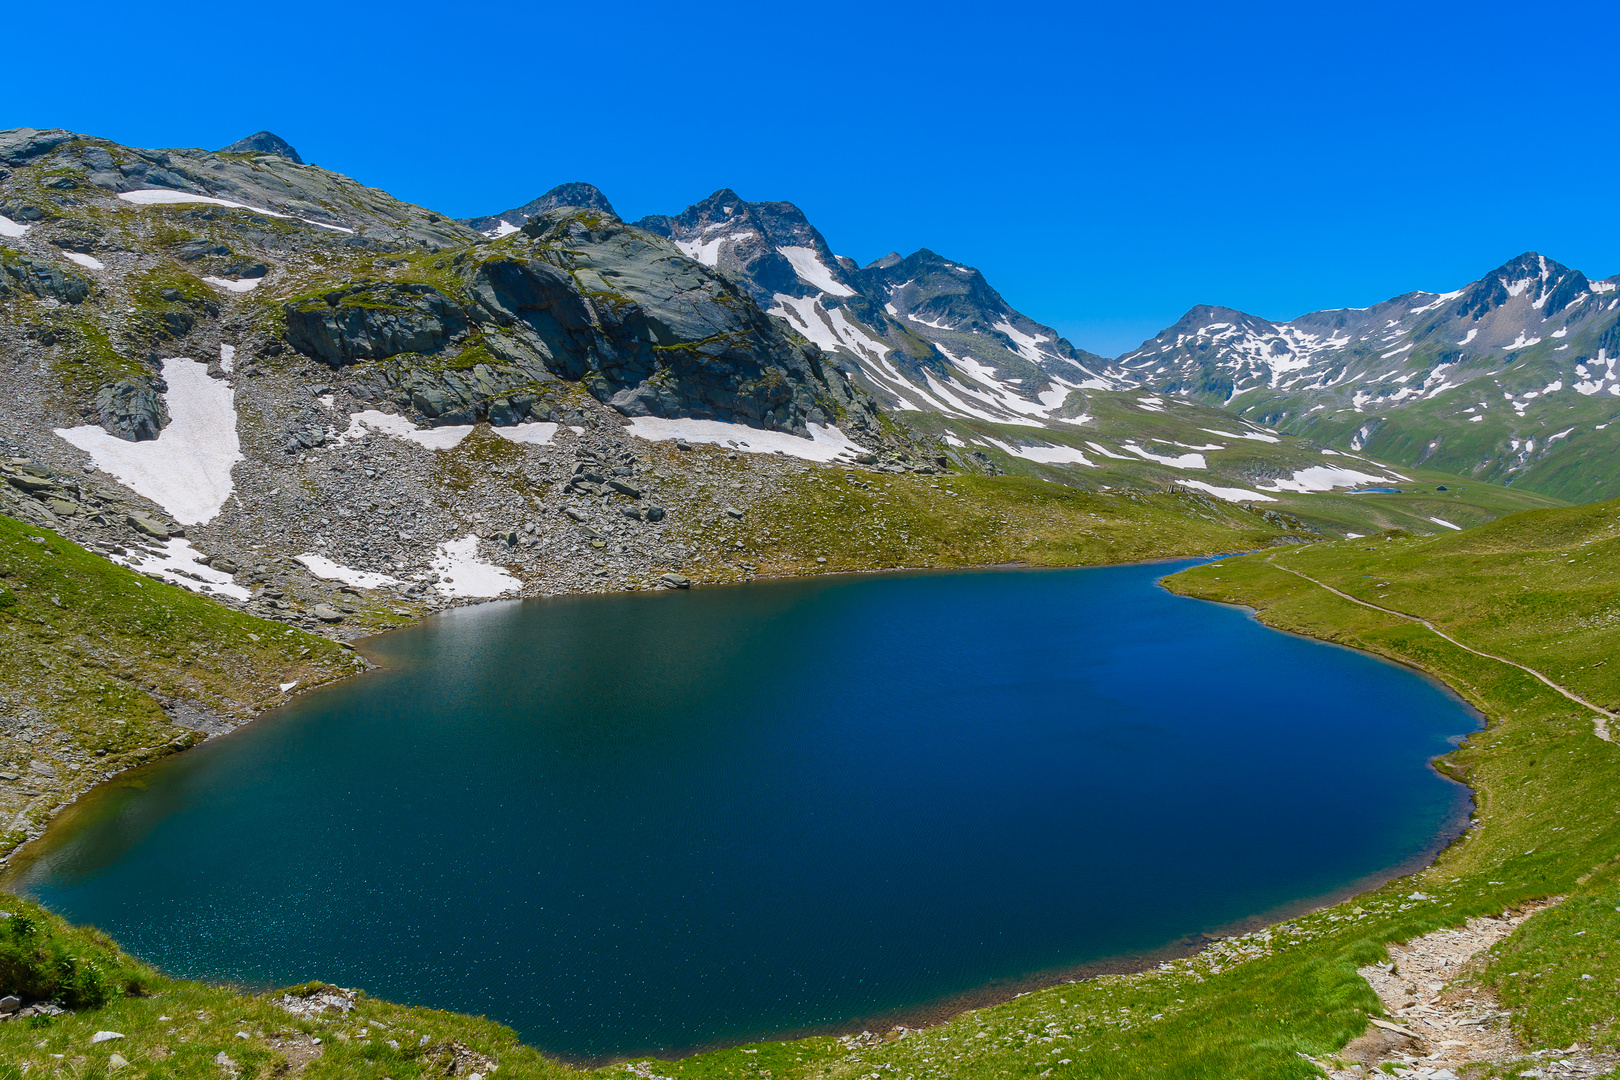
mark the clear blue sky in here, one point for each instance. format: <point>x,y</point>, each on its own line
<point>1107,166</point>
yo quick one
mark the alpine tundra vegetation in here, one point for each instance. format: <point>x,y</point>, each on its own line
<point>257,411</point>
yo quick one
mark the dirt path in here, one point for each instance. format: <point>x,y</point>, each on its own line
<point>1600,723</point>
<point>1441,1021</point>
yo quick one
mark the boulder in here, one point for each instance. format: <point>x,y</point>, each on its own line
<point>675,581</point>
<point>144,523</point>
<point>326,613</point>
<point>132,409</point>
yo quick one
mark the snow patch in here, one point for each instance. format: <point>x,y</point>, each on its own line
<point>1179,461</point>
<point>534,433</point>
<point>811,270</point>
<point>166,197</point>
<point>826,443</point>
<point>707,252</point>
<point>322,567</point>
<point>227,358</point>
<point>1028,346</point>
<point>179,563</point>
<point>238,285</point>
<point>1255,435</point>
<point>462,573</point>
<point>1045,455</point>
<point>187,468</point>
<point>1447,524</point>
<point>89,262</point>
<point>1323,478</point>
<point>1227,493</point>
<point>502,228</point>
<point>364,423</point>
<point>12,229</point>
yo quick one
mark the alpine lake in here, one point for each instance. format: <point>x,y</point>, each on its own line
<point>655,822</point>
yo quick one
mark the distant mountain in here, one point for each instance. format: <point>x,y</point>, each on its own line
<point>922,333</point>
<point>1510,378</point>
<point>577,194</point>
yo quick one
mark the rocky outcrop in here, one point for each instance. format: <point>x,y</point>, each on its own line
<point>578,296</point>
<point>373,320</point>
<point>25,274</point>
<point>132,409</point>
<point>264,142</point>
<point>501,395</point>
<point>668,336</point>
<point>576,193</point>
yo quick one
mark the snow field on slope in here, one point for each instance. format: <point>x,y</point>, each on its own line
<point>1045,455</point>
<point>813,272</point>
<point>534,433</point>
<point>322,567</point>
<point>1180,461</point>
<point>826,443</point>
<point>12,229</point>
<point>462,573</point>
<point>235,285</point>
<point>707,252</point>
<point>167,197</point>
<point>179,563</point>
<point>187,468</point>
<point>1255,435</point>
<point>89,262</point>
<point>371,421</point>
<point>1324,478</point>
<point>1227,493</point>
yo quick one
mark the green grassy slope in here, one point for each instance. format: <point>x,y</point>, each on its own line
<point>91,648</point>
<point>1248,464</point>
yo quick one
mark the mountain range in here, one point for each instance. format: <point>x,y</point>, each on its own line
<point>1510,379</point>
<point>329,313</point>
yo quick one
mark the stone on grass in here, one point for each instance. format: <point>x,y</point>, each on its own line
<point>104,1036</point>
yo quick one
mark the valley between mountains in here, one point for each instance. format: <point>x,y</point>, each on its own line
<point>257,411</point>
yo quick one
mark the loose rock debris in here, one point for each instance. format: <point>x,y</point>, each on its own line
<point>1439,1023</point>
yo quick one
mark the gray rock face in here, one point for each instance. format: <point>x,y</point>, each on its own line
<point>668,336</point>
<point>132,409</point>
<point>264,142</point>
<point>582,195</point>
<point>26,274</point>
<point>372,320</point>
<point>503,396</point>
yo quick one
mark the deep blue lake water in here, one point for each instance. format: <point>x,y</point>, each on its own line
<point>642,822</point>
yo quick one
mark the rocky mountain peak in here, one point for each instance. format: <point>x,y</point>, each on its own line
<point>576,193</point>
<point>1551,287</point>
<point>264,142</point>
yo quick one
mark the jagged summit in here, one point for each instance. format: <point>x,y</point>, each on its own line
<point>575,193</point>
<point>264,142</point>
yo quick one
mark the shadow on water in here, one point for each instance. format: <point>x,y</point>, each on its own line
<point>654,823</point>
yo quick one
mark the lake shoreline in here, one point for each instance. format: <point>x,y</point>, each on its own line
<point>935,1011</point>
